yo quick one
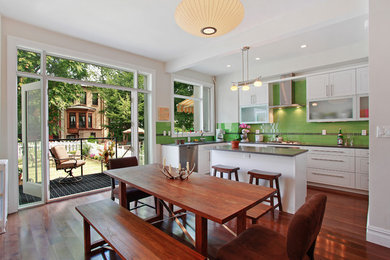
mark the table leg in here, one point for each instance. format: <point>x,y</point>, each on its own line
<point>87,238</point>
<point>201,235</point>
<point>241,222</point>
<point>122,194</point>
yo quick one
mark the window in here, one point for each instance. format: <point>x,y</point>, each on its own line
<point>72,120</point>
<point>93,134</point>
<point>192,108</point>
<point>82,120</point>
<point>95,99</point>
<point>83,98</point>
<point>89,120</point>
<point>71,137</point>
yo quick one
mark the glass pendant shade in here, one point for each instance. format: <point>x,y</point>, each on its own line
<point>207,18</point>
<point>234,88</point>
<point>245,87</point>
<point>258,83</point>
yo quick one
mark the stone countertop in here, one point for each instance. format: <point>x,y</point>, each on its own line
<point>279,151</point>
<point>306,144</point>
<point>198,143</point>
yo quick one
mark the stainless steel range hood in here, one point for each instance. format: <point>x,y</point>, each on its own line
<point>286,94</point>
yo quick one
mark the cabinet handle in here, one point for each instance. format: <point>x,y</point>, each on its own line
<point>322,151</point>
<point>327,90</point>
<point>331,175</point>
<point>328,160</point>
<point>331,89</point>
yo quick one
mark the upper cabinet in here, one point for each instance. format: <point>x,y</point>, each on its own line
<point>362,81</point>
<point>254,105</point>
<point>336,84</point>
<point>254,96</point>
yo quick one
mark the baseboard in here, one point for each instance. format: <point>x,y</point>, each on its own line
<point>378,236</point>
<point>337,190</point>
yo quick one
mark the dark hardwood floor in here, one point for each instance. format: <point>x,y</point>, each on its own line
<point>54,231</point>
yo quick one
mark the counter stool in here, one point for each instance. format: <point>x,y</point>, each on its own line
<point>225,168</point>
<point>256,212</point>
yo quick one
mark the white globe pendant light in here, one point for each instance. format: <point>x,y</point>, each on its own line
<point>209,18</point>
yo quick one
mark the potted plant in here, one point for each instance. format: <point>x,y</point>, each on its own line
<point>235,143</point>
<point>245,130</point>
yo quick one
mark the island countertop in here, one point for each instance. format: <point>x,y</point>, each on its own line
<point>279,151</point>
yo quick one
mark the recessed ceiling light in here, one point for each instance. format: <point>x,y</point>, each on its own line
<point>303,46</point>
<point>257,58</point>
<point>228,65</point>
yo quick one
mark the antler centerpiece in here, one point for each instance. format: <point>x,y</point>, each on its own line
<point>178,173</point>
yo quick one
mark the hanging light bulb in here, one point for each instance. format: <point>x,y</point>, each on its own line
<point>234,87</point>
<point>258,83</point>
<point>245,87</point>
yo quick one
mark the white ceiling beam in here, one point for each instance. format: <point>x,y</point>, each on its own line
<point>312,17</point>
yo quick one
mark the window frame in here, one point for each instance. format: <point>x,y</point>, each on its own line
<point>94,94</point>
<point>88,117</point>
<point>202,85</point>
<point>70,126</point>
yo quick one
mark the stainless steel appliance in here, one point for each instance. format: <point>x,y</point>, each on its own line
<point>189,153</point>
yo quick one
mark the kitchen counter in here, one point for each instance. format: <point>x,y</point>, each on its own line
<point>270,150</point>
<point>289,161</point>
<point>197,143</point>
<point>306,144</point>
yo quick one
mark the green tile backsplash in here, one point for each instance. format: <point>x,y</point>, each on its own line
<point>290,123</point>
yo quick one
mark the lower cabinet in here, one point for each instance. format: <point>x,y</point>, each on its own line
<point>336,178</point>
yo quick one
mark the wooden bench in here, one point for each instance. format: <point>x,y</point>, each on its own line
<point>128,235</point>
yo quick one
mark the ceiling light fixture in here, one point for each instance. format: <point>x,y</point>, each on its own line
<point>303,46</point>
<point>245,83</point>
<point>228,65</point>
<point>207,18</point>
<point>257,58</point>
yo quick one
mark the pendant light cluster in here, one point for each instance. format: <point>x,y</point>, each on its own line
<point>245,83</point>
<point>209,18</point>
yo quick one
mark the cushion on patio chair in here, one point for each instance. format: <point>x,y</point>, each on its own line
<point>70,164</point>
<point>60,153</point>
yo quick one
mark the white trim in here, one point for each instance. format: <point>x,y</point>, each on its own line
<point>378,235</point>
<point>201,84</point>
<point>14,43</point>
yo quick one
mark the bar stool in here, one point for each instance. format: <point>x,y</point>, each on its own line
<point>227,169</point>
<point>256,212</point>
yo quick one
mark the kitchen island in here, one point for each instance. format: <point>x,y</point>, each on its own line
<point>290,162</point>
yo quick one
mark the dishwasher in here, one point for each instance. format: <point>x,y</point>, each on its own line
<point>189,153</point>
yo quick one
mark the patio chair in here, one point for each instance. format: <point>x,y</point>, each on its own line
<point>66,162</point>
<point>132,194</point>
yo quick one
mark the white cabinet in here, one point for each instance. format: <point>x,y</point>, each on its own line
<point>342,83</point>
<point>335,109</point>
<point>362,167</point>
<point>336,84</point>
<point>254,96</point>
<point>254,114</point>
<point>171,155</point>
<point>362,86</point>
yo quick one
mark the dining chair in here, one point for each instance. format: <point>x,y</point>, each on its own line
<point>132,194</point>
<point>259,242</point>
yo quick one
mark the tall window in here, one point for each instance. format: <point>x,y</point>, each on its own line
<point>192,108</point>
<point>89,120</point>
<point>83,98</point>
<point>95,99</point>
<point>72,120</point>
<point>82,120</point>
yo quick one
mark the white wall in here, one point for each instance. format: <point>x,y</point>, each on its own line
<point>378,228</point>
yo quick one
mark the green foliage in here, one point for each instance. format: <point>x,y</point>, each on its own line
<point>181,118</point>
<point>92,139</point>
<point>85,150</point>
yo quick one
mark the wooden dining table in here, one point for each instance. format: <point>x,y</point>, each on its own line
<point>208,197</point>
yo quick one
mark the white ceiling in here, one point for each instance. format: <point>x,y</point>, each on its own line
<point>274,29</point>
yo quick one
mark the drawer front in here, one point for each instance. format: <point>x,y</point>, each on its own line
<point>362,165</point>
<point>362,152</point>
<point>332,151</point>
<point>343,179</point>
<point>361,181</point>
<point>331,162</point>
